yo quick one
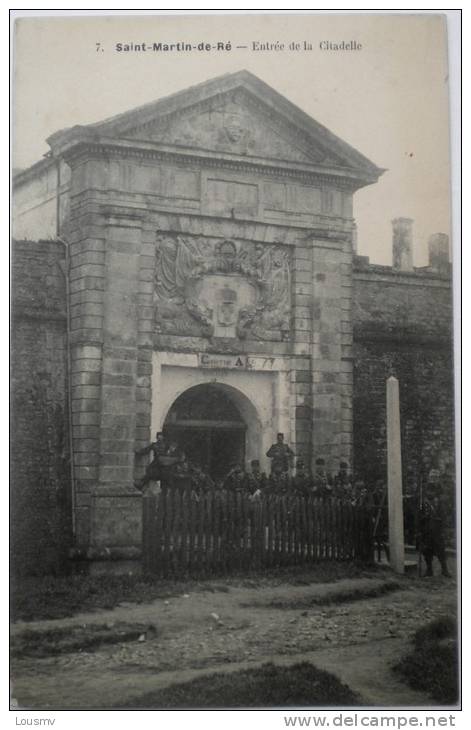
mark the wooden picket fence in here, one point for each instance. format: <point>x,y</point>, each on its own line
<point>220,532</point>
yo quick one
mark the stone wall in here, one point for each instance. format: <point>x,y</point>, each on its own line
<point>40,477</point>
<point>402,326</point>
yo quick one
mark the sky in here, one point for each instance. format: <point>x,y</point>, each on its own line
<point>389,100</point>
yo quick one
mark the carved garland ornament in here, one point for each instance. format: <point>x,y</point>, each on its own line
<point>207,287</point>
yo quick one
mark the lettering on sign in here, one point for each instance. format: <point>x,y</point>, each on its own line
<point>238,362</point>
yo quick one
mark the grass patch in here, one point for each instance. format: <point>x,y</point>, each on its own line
<point>321,572</point>
<point>54,597</point>
<point>432,666</point>
<point>333,598</point>
<point>298,685</point>
<point>75,638</point>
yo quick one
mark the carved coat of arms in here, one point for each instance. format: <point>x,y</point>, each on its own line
<point>227,307</point>
<point>221,288</point>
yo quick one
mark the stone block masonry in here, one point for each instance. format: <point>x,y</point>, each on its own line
<point>403,327</point>
<point>352,326</point>
<point>331,350</point>
<point>41,507</point>
<point>301,387</point>
<point>107,387</point>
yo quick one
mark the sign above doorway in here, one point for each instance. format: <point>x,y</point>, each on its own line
<point>208,360</point>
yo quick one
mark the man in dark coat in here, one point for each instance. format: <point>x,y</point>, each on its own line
<point>236,479</point>
<point>379,503</point>
<point>343,483</point>
<point>256,479</point>
<point>431,535</point>
<point>281,455</point>
<point>302,481</point>
<point>322,485</point>
<point>154,470</point>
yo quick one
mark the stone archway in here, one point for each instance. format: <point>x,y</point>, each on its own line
<point>215,425</point>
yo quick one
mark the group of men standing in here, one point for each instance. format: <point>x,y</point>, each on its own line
<point>430,514</point>
<point>169,461</point>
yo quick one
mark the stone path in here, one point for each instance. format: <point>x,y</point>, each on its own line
<point>206,632</point>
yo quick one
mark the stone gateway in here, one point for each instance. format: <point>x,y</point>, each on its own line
<point>190,267</point>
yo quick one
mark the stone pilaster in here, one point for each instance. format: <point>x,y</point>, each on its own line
<point>121,339</point>
<point>142,432</point>
<point>346,367</point>
<point>116,512</point>
<point>328,368</point>
<point>87,286</point>
<point>301,327</point>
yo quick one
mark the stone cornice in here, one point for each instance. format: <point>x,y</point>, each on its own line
<point>88,146</point>
<point>388,275</point>
<point>329,234</point>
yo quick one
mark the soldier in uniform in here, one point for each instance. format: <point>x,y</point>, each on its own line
<point>200,480</point>
<point>343,483</point>
<point>283,485</point>
<point>256,479</point>
<point>410,504</point>
<point>447,481</point>
<point>278,482</point>
<point>379,500</point>
<point>431,536</point>
<point>363,496</point>
<point>322,487</point>
<point>236,479</point>
<point>153,471</point>
<point>182,468</point>
<point>302,480</point>
<point>281,455</point>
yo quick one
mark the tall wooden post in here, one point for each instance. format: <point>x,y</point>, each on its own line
<point>396,519</point>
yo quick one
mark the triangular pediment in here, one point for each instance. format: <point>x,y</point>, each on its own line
<point>233,114</point>
<point>234,123</point>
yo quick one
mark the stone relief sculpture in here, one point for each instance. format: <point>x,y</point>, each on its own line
<point>221,288</point>
<point>234,123</point>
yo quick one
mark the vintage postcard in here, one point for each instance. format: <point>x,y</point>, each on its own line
<point>233,441</point>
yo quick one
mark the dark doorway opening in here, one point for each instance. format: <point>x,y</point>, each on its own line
<point>208,428</point>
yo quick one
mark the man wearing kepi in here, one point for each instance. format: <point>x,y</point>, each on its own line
<point>281,456</point>
<point>343,483</point>
<point>431,537</point>
<point>322,485</point>
<point>256,479</point>
<point>153,472</point>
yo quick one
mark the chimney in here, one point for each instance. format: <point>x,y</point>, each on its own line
<point>402,244</point>
<point>438,248</point>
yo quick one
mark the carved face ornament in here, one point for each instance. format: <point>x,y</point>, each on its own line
<point>277,259</point>
<point>234,127</point>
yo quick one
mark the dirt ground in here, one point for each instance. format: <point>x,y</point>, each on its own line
<point>333,625</point>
